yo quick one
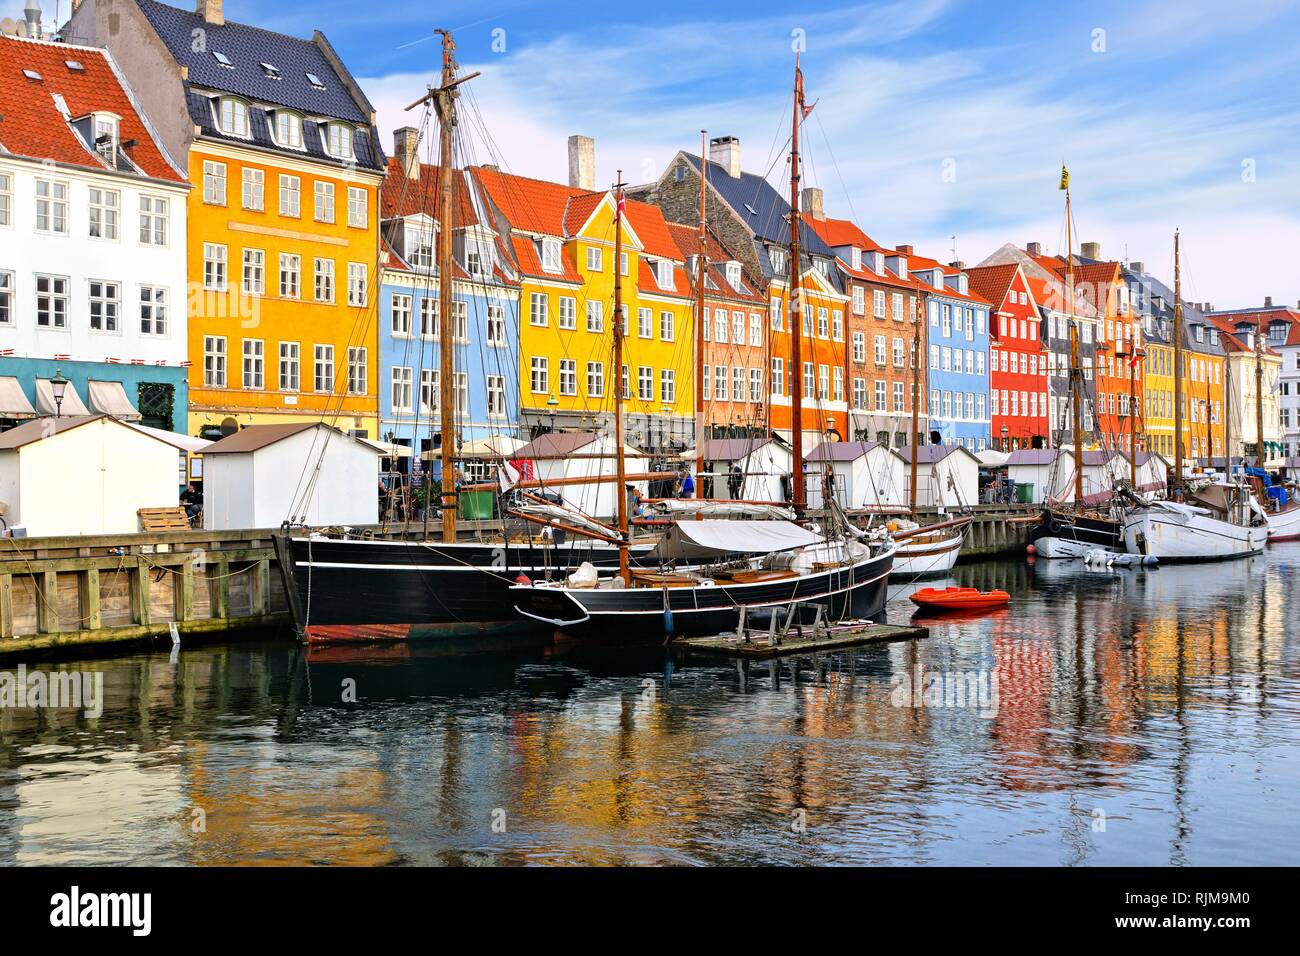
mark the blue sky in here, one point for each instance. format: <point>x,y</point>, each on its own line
<point>937,118</point>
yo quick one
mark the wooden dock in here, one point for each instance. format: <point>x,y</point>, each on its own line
<point>762,646</point>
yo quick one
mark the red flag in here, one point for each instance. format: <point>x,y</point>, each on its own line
<point>804,108</point>
<point>620,207</point>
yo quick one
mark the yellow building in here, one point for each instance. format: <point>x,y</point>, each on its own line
<point>282,248</point>
<point>562,243</point>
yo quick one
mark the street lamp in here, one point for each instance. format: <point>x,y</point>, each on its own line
<point>664,410</point>
<point>1005,432</point>
<point>551,406</point>
<point>58,385</point>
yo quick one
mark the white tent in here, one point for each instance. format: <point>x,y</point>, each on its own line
<point>302,471</point>
<point>494,446</point>
<point>88,474</point>
<point>560,457</point>
<point>865,474</point>
<point>992,458</point>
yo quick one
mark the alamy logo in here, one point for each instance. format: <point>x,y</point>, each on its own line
<point>963,690</point>
<point>134,910</point>
<point>75,690</point>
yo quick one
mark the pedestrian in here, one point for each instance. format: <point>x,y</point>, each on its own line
<point>688,485</point>
<point>735,481</point>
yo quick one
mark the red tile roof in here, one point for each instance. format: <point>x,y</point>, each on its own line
<point>529,205</point>
<point>530,263</point>
<point>32,125</point>
<point>993,282</point>
<point>687,239</point>
<point>648,223</point>
<point>1227,327</point>
<point>402,196</point>
<point>840,232</point>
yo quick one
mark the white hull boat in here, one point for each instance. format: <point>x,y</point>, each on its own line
<point>1172,531</point>
<point>1284,525</point>
<point>928,555</point>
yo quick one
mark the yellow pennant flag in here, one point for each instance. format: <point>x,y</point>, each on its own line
<point>1065,177</point>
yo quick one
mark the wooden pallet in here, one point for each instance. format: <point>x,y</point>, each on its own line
<point>163,519</point>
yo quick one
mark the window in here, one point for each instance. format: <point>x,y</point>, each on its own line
<point>667,385</point>
<point>878,303</point>
<point>496,326</point>
<point>879,343</point>
<point>104,213</point>
<point>358,369</point>
<point>403,392</point>
<point>720,317</point>
<point>568,318</point>
<point>153,221</point>
<point>358,207</point>
<point>324,201</point>
<point>706,380</point>
<point>860,393</point>
<point>537,314</point>
<point>52,302</point>
<point>324,273</point>
<point>339,140</point>
<point>254,271</point>
<point>460,321</point>
<point>880,395</point>
<point>290,275</point>
<point>809,378</point>
<point>594,259</point>
<point>663,273</point>
<point>6,298</point>
<point>823,382</point>
<point>568,377</point>
<point>51,206</point>
<point>823,323</point>
<point>666,326</point>
<point>253,361</point>
<point>778,376</point>
<point>859,347</point>
<point>596,379</point>
<point>288,129</point>
<point>755,328</point>
<point>756,385</point>
<point>645,383</point>
<point>720,383</point>
<point>289,362</point>
<point>430,399</point>
<point>859,300</point>
<point>898,397</point>
<point>214,361</point>
<point>898,352</point>
<point>214,183</point>
<point>837,326</point>
<point>837,384</point>
<point>358,286</point>
<point>595,315</point>
<point>290,196</point>
<point>934,356</point>
<point>538,375</point>
<point>551,255</point>
<point>6,199</point>
<point>496,396</point>
<point>214,267</point>
<point>898,307</point>
<point>645,324</point>
<point>324,368</point>
<point>401,312</point>
<point>254,189</point>
<point>430,317</point>
<point>775,308</point>
<point>233,116</point>
<point>104,303</point>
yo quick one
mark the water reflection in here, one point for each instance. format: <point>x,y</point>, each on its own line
<point>1143,716</point>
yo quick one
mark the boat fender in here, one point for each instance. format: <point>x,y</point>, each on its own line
<point>668,615</point>
<point>524,579</point>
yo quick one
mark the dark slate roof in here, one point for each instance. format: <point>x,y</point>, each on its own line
<point>929,454</point>
<point>1145,288</point>
<point>769,219</point>
<point>1033,456</point>
<point>364,149</point>
<point>841,450</point>
<point>248,48</point>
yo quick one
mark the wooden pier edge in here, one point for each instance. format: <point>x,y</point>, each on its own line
<point>732,646</point>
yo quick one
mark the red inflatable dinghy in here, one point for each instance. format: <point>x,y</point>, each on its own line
<point>959,599</point>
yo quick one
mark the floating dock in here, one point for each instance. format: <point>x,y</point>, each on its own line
<point>762,645</point>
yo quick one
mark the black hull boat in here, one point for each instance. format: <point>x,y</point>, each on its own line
<point>1063,534</point>
<point>392,590</point>
<point>855,589</point>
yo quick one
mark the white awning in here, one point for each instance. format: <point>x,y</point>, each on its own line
<point>13,403</point>
<point>990,458</point>
<point>688,540</point>
<point>387,449</point>
<point>72,404</point>
<point>494,446</point>
<point>184,442</point>
<point>109,398</point>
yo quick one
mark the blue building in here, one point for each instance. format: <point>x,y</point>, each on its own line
<point>957,334</point>
<point>485,320</point>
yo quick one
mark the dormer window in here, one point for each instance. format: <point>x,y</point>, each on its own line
<point>314,80</point>
<point>271,72</point>
<point>222,59</point>
<point>821,265</point>
<point>664,274</point>
<point>855,257</point>
<point>936,278</point>
<point>107,138</point>
<point>419,247</point>
<point>233,114</point>
<point>1200,333</point>
<point>878,262</point>
<point>338,140</point>
<point>733,274</point>
<point>288,129</point>
<point>776,256</point>
<point>551,256</point>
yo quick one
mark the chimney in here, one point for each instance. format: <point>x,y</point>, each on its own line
<point>905,250</point>
<point>1138,267</point>
<point>725,151</point>
<point>1034,248</point>
<point>1090,250</point>
<point>210,11</point>
<point>32,13</point>
<point>957,264</point>
<point>406,147</point>
<point>582,162</point>
<point>1268,302</point>
<point>813,204</point>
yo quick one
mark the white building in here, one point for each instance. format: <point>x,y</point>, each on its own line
<point>92,242</point>
<point>305,472</point>
<point>1280,328</point>
<point>763,464</point>
<point>866,475</point>
<point>48,489</point>
<point>948,476</point>
<point>558,458</point>
<point>1048,471</point>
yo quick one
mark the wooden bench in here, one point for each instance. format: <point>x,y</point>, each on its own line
<point>163,519</point>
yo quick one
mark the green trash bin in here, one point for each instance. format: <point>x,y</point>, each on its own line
<point>476,505</point>
<point>1024,493</point>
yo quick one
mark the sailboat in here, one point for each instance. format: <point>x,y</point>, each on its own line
<point>929,550</point>
<point>363,588</point>
<point>757,566</point>
<point>1204,521</point>
<point>1073,532</point>
<point>1281,503</point>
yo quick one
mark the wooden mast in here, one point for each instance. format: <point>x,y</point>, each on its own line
<point>1259,396</point>
<point>621,472</point>
<point>1076,371</point>
<point>700,272</point>
<point>916,397</point>
<point>1178,365</point>
<point>796,307</point>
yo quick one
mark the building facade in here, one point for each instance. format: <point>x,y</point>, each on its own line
<point>280,144</point>
<point>1253,376</point>
<point>1018,401</point>
<point>1281,329</point>
<point>92,243</point>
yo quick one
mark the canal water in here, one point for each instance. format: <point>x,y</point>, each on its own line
<point>1105,718</point>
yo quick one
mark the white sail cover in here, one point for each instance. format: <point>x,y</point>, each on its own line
<point>722,508</point>
<point>689,540</point>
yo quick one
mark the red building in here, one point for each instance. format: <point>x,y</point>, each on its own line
<point>1018,364</point>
